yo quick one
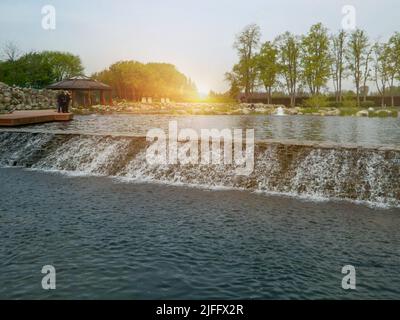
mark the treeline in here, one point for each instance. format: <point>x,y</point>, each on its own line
<point>37,69</point>
<point>306,64</point>
<point>133,80</point>
<point>130,80</point>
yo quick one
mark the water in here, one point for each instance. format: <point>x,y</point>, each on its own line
<point>109,239</point>
<point>363,131</point>
<point>280,111</point>
<point>116,227</point>
<point>369,175</point>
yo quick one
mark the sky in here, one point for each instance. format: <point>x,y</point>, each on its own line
<point>196,36</point>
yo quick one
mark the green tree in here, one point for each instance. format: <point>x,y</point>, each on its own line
<point>315,58</point>
<point>289,47</point>
<point>338,62</point>
<point>64,65</point>
<point>268,67</point>
<point>393,56</point>
<point>39,69</point>
<point>133,80</point>
<point>358,55</point>
<point>234,88</point>
<point>382,69</point>
<point>244,73</point>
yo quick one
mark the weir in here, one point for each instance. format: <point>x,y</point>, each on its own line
<point>304,169</point>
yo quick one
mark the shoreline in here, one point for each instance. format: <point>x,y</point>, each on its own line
<point>234,109</point>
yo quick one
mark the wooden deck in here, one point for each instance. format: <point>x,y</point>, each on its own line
<point>20,118</point>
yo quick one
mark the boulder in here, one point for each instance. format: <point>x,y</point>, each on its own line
<point>362,113</point>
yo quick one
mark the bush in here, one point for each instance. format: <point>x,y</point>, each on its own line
<point>367,104</point>
<point>318,101</point>
<point>349,111</point>
<point>334,104</point>
<point>349,103</point>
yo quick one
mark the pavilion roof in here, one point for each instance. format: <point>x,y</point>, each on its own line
<point>79,83</point>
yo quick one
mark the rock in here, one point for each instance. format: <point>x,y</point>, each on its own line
<point>26,98</point>
<point>362,113</point>
<point>384,113</point>
<point>335,112</point>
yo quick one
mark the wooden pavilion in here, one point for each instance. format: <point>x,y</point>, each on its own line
<point>85,85</point>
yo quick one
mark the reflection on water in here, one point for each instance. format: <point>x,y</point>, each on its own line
<point>366,131</point>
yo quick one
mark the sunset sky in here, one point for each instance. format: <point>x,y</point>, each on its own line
<point>196,36</point>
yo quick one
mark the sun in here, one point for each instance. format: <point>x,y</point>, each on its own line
<point>203,89</point>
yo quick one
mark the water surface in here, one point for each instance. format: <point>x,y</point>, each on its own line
<point>363,131</point>
<point>109,239</point>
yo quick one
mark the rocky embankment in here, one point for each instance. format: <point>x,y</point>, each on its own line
<point>204,108</point>
<point>15,98</point>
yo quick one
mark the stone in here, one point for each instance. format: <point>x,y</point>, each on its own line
<point>362,113</point>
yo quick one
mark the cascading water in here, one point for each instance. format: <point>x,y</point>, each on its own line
<point>280,111</point>
<point>316,171</point>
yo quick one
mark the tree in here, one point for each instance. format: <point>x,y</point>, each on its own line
<point>358,55</point>
<point>393,56</point>
<point>11,52</point>
<point>133,80</point>
<point>337,59</point>
<point>268,68</point>
<point>382,69</point>
<point>64,65</point>
<point>39,69</point>
<point>315,58</point>
<point>367,72</point>
<point>246,44</point>
<point>289,61</point>
<point>234,87</point>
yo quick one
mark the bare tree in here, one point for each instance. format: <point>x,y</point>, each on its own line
<point>11,52</point>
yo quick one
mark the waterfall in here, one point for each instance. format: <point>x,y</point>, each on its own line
<point>305,170</point>
<point>280,111</point>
